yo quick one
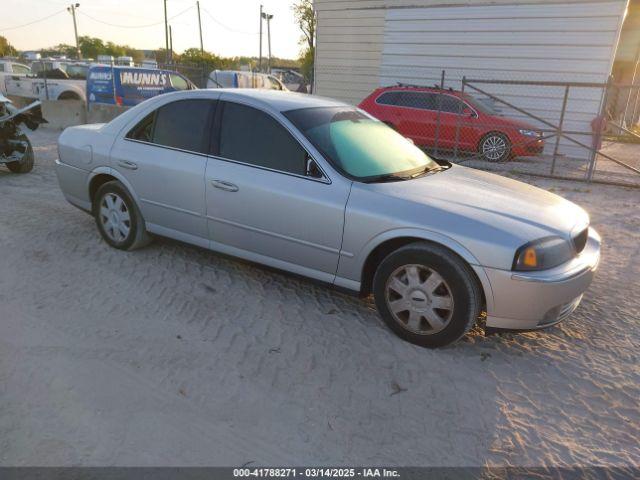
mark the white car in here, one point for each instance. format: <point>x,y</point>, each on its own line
<point>241,79</point>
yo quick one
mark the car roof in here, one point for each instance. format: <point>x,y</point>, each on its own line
<point>281,101</point>
<point>419,88</point>
<point>274,100</point>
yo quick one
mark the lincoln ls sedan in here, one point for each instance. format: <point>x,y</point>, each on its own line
<point>322,189</point>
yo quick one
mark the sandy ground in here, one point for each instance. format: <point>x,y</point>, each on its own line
<point>177,356</point>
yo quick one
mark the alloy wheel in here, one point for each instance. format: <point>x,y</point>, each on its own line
<point>494,148</point>
<point>419,299</point>
<point>115,217</point>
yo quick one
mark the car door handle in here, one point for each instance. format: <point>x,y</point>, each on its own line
<point>226,186</point>
<point>128,164</point>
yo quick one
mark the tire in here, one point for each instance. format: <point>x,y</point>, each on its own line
<point>26,165</point>
<point>489,147</point>
<point>118,218</point>
<point>440,308</point>
<point>69,96</point>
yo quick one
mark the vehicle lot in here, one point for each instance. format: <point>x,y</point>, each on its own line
<point>173,355</point>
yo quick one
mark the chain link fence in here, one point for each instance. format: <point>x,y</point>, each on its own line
<point>575,130</point>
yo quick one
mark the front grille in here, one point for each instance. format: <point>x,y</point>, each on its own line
<point>580,240</point>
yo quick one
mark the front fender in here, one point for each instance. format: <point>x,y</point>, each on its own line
<point>351,265</point>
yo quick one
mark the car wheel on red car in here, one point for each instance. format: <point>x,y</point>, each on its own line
<point>495,147</point>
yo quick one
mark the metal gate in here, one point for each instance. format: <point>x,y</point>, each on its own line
<point>567,130</point>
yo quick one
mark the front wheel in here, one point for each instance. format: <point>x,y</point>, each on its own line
<point>26,164</point>
<point>427,295</point>
<point>118,218</point>
<point>495,147</point>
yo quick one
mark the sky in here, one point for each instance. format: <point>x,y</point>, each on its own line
<point>229,27</point>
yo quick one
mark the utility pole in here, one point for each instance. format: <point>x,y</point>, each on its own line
<point>200,27</point>
<point>170,45</point>
<point>166,34</point>
<point>260,56</point>
<point>72,10</point>
<point>268,18</point>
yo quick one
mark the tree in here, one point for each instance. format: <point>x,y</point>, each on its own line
<point>209,60</point>
<point>60,49</point>
<point>306,19</point>
<point>91,47</point>
<point>6,49</point>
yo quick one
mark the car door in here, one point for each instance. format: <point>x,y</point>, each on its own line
<point>164,157</point>
<point>418,118</point>
<point>267,199</point>
<point>21,85</point>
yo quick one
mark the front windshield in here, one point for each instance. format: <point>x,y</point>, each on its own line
<point>358,145</point>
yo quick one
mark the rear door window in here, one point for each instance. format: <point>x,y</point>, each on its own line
<point>419,100</point>
<point>143,131</point>
<point>183,124</point>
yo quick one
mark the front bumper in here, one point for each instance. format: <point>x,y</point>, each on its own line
<point>527,147</point>
<point>533,300</point>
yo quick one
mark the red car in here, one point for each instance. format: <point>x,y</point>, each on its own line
<point>413,112</point>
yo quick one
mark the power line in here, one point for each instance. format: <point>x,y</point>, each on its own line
<point>135,26</point>
<point>35,21</point>
<point>225,26</point>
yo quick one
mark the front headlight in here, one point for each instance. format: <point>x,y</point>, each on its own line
<point>529,133</point>
<point>543,254</point>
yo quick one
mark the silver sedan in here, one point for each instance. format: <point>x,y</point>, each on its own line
<point>321,189</point>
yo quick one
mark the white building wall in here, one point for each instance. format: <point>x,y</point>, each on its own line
<point>363,44</point>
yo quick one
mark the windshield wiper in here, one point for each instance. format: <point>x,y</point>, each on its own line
<point>429,171</point>
<point>390,177</point>
<point>395,177</point>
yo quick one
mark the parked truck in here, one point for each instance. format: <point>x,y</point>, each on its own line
<point>51,80</point>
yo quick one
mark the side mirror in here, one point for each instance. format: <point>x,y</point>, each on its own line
<point>312,170</point>
<point>467,112</point>
<point>410,140</point>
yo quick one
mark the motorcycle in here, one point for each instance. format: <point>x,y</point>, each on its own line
<point>16,151</point>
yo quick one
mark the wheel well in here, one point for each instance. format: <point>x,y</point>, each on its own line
<point>69,96</point>
<point>97,182</point>
<point>379,253</point>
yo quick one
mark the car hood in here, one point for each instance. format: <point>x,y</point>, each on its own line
<point>507,205</point>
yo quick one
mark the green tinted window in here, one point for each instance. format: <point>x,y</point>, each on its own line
<point>358,145</point>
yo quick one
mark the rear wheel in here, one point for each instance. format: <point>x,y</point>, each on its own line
<point>495,147</point>
<point>427,295</point>
<point>69,96</point>
<point>26,164</point>
<point>118,218</point>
